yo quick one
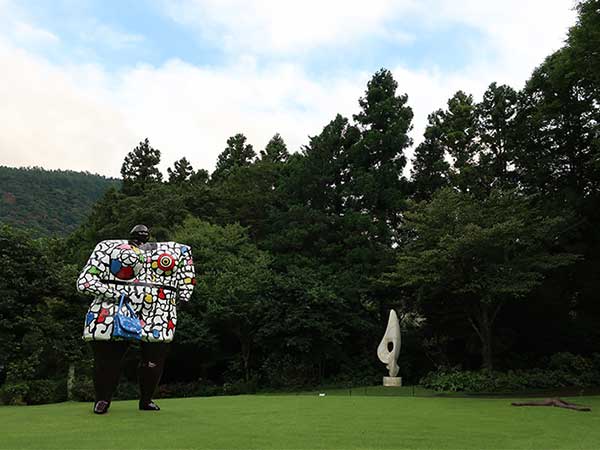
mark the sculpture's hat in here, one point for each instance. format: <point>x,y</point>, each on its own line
<point>140,233</point>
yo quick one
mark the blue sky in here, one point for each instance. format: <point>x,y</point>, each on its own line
<point>121,34</point>
<point>88,79</point>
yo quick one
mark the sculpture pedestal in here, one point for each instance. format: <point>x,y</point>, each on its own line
<point>392,381</point>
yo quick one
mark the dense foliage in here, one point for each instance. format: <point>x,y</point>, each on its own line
<point>49,202</point>
<point>562,370</point>
<point>489,252</point>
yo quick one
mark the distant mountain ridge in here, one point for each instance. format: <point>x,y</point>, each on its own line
<point>49,202</point>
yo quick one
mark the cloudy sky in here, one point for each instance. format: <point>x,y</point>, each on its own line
<point>82,81</point>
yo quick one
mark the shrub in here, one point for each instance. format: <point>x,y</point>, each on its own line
<point>83,389</point>
<point>564,370</point>
<point>14,393</point>
<point>45,391</point>
<point>571,363</point>
<point>239,387</point>
<point>177,390</point>
<point>190,389</point>
<point>127,390</point>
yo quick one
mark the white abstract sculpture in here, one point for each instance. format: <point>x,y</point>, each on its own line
<point>388,350</point>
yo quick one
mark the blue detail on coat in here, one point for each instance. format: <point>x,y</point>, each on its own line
<point>156,333</point>
<point>184,249</point>
<point>89,318</point>
<point>115,266</point>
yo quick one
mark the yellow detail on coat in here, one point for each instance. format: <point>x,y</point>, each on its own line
<point>154,265</point>
<point>187,280</point>
<point>148,298</point>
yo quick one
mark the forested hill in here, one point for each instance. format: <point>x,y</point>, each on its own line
<point>49,202</point>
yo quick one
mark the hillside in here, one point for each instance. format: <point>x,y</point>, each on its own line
<point>50,202</point>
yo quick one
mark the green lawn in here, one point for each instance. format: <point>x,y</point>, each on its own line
<point>303,422</point>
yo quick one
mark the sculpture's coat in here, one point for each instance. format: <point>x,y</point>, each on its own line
<point>153,276</point>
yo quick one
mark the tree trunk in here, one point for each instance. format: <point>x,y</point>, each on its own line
<point>246,345</point>
<point>486,340</point>
<point>483,326</point>
<point>70,381</point>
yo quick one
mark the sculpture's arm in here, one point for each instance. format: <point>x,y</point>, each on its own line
<point>186,275</point>
<point>90,279</point>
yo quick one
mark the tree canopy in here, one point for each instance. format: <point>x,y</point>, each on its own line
<point>489,252</point>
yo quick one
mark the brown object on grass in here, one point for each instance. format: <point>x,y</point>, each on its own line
<point>559,403</point>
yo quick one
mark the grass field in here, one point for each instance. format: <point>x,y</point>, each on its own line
<point>303,422</point>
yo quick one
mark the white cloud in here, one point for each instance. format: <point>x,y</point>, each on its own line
<point>109,36</point>
<point>49,120</point>
<point>280,26</point>
<point>80,117</point>
<point>522,27</point>
<point>517,34</point>
<point>25,32</point>
<point>86,117</point>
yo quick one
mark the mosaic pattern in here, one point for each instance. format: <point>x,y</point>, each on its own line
<point>153,276</point>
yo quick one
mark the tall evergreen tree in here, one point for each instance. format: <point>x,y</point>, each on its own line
<point>236,154</point>
<point>324,176</point>
<point>201,176</point>
<point>275,151</point>
<point>140,166</point>
<point>377,161</point>
<point>559,131</point>
<point>181,172</point>
<point>459,135</point>
<point>430,171</point>
<point>496,115</point>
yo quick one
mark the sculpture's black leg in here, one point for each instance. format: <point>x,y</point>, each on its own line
<point>107,368</point>
<point>154,355</point>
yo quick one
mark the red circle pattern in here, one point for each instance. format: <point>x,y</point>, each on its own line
<point>166,262</point>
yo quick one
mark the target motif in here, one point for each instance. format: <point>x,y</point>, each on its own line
<point>166,262</point>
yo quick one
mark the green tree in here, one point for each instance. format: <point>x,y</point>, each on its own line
<point>476,138</point>
<point>201,176</point>
<point>479,253</point>
<point>139,168</point>
<point>430,171</point>
<point>236,154</point>
<point>49,202</point>
<point>376,163</point>
<point>320,179</point>
<point>182,171</point>
<point>24,282</point>
<point>235,282</point>
<point>247,196</point>
<point>557,158</point>
<point>459,135</point>
<point>40,312</point>
<point>275,151</point>
<point>558,131</point>
<point>583,43</point>
<point>496,115</point>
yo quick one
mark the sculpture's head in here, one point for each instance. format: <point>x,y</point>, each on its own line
<point>139,234</point>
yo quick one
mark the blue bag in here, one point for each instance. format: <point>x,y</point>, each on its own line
<point>126,326</point>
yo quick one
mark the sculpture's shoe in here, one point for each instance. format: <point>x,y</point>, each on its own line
<point>150,406</point>
<point>101,407</point>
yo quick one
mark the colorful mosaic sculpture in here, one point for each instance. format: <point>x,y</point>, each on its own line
<point>154,277</point>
